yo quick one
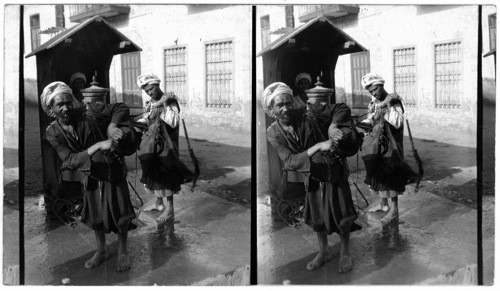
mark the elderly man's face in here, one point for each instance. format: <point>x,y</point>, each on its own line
<point>377,91</point>
<point>62,105</point>
<point>281,108</point>
<point>153,90</point>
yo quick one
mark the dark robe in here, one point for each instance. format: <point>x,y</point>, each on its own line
<point>384,161</point>
<point>329,205</point>
<point>112,210</point>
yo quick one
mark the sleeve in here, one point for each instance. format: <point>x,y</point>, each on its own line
<point>71,160</point>
<point>299,162</point>
<point>341,115</point>
<point>118,112</point>
<point>171,115</point>
<point>395,115</point>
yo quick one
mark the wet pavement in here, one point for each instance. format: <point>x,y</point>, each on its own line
<point>434,241</point>
<point>208,243</point>
<point>208,237</point>
<point>433,236</point>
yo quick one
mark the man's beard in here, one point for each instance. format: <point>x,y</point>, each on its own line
<point>71,115</point>
<point>286,118</point>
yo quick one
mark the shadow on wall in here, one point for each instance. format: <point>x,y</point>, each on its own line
<point>236,118</point>
<point>489,90</point>
<point>30,92</point>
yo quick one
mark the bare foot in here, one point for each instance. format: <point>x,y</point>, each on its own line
<point>318,261</point>
<point>390,216</point>
<point>166,215</point>
<point>150,207</point>
<point>96,259</point>
<point>379,207</point>
<point>157,206</point>
<point>345,263</point>
<point>123,262</point>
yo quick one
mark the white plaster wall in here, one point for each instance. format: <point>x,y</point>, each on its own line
<point>155,27</point>
<point>381,29</point>
<point>11,72</point>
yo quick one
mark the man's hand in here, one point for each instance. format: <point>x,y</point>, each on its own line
<point>106,144</point>
<point>335,134</point>
<point>387,101</point>
<point>325,145</point>
<point>114,133</point>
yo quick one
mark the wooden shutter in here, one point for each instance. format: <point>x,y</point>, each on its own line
<point>360,66</point>
<point>131,69</point>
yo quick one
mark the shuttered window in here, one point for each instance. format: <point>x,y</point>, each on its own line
<point>219,74</point>
<point>176,73</point>
<point>448,74</point>
<point>265,29</point>
<point>405,75</point>
<point>492,23</point>
<point>60,16</point>
<point>360,66</point>
<point>35,29</point>
<point>131,69</point>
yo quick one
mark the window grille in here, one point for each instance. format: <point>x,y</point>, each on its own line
<point>405,75</point>
<point>219,74</point>
<point>448,74</point>
<point>35,29</point>
<point>176,73</point>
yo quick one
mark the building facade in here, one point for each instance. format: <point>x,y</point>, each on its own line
<point>206,63</point>
<point>426,53</point>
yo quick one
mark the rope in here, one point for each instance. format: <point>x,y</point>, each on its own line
<point>291,217</point>
<point>66,210</point>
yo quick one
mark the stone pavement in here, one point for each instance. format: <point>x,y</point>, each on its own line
<point>433,236</point>
<point>208,240</point>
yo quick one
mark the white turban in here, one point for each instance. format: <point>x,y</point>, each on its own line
<point>303,76</point>
<point>371,79</point>
<point>51,91</point>
<point>146,79</point>
<point>78,75</point>
<point>271,92</point>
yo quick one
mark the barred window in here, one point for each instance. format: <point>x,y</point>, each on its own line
<point>219,74</point>
<point>405,75</point>
<point>35,29</point>
<point>448,74</point>
<point>176,73</point>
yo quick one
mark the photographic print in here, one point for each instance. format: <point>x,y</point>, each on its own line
<point>137,144</point>
<point>366,145</point>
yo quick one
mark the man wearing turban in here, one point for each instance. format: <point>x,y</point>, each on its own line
<point>386,171</point>
<point>303,82</point>
<point>77,82</point>
<point>300,141</point>
<point>157,182</point>
<point>84,146</point>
